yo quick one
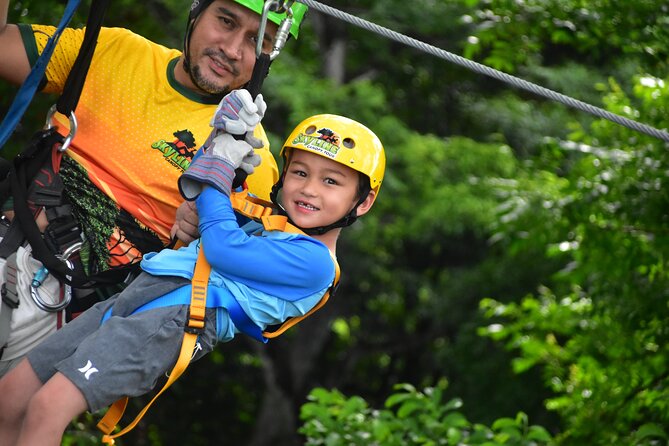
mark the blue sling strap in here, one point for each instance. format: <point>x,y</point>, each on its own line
<point>25,94</point>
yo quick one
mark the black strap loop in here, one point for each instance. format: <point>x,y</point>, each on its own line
<point>260,71</point>
<point>69,99</point>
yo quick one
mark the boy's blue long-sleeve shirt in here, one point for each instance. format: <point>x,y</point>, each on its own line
<point>272,275</point>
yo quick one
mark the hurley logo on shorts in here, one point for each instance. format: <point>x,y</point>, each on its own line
<point>179,152</point>
<point>88,370</point>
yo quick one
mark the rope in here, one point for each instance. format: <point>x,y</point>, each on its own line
<point>491,72</point>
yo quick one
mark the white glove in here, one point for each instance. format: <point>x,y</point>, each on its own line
<point>238,113</point>
<point>234,151</point>
<point>249,162</point>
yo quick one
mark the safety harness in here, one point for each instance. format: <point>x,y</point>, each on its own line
<point>34,183</point>
<point>257,210</point>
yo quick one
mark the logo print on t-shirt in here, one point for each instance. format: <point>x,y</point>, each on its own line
<point>180,151</point>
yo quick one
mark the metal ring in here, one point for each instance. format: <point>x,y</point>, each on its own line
<point>53,308</point>
<point>67,293</point>
<point>71,250</point>
<point>73,127</point>
<point>284,5</point>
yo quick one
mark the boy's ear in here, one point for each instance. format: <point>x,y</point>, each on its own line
<point>366,205</point>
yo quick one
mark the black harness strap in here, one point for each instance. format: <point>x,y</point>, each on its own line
<point>47,189</point>
<point>28,162</point>
<point>69,99</point>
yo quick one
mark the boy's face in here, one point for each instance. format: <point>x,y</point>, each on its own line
<point>318,191</point>
<point>222,46</point>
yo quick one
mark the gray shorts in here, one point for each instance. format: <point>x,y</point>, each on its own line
<point>126,355</point>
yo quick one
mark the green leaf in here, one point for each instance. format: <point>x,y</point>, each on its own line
<point>649,430</point>
<point>538,433</point>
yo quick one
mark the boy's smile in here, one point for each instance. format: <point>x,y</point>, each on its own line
<point>318,191</point>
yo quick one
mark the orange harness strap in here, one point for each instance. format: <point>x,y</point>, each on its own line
<point>258,209</point>
<point>255,209</point>
<point>194,326</point>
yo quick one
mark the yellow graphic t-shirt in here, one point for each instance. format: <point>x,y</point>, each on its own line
<point>138,129</point>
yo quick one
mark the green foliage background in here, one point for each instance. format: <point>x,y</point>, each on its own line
<point>517,250</point>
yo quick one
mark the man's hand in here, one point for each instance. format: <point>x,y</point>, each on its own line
<point>236,152</point>
<point>238,113</point>
<point>185,227</point>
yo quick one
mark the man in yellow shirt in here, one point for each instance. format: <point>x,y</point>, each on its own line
<point>143,113</point>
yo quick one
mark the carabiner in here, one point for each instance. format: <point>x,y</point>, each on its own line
<point>73,127</point>
<point>67,292</point>
<point>284,6</point>
<point>282,33</point>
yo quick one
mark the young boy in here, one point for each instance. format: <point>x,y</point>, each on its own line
<point>332,174</point>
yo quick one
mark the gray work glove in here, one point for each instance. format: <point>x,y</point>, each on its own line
<point>236,152</point>
<point>237,114</point>
<point>216,167</point>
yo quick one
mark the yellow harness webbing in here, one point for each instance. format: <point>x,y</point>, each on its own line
<point>194,326</point>
<point>255,209</point>
<point>258,209</point>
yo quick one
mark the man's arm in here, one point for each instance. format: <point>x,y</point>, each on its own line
<point>14,64</point>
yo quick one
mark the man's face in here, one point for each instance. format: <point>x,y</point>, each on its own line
<point>222,46</point>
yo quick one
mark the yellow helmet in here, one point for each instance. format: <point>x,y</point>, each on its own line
<point>343,140</point>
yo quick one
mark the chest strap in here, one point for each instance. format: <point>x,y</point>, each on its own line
<point>266,213</point>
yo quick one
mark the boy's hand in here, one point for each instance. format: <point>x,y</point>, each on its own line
<point>216,166</point>
<point>237,114</point>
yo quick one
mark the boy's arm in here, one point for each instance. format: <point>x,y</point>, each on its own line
<point>291,267</point>
<point>14,64</point>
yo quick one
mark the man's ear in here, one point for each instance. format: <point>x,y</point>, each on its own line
<point>366,205</point>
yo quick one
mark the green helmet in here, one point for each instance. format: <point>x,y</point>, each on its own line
<point>299,10</point>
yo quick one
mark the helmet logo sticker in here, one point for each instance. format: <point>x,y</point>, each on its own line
<point>326,142</point>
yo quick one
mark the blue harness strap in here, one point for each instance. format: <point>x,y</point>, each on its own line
<point>25,94</point>
<point>215,299</point>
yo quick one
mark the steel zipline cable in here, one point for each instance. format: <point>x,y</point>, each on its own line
<point>485,70</point>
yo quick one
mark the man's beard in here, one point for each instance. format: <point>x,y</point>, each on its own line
<point>207,85</point>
